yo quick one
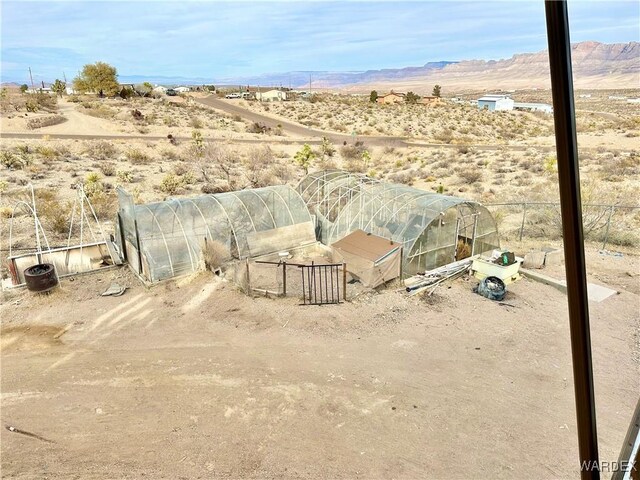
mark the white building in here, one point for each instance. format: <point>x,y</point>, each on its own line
<point>182,89</point>
<point>495,102</point>
<point>159,89</point>
<point>271,96</point>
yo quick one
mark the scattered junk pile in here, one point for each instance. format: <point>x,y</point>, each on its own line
<point>494,272</point>
<point>41,269</point>
<point>337,229</point>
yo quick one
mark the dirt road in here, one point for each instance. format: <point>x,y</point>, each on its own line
<point>195,380</point>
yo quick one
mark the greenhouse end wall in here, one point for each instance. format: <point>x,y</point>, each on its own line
<point>170,238</point>
<point>434,229</point>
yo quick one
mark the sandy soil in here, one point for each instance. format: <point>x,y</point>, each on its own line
<point>191,379</point>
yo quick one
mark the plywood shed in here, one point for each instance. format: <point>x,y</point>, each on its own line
<point>165,239</point>
<point>372,259</point>
<point>433,229</point>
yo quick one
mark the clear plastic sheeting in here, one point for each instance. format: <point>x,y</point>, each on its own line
<point>434,229</point>
<point>170,238</point>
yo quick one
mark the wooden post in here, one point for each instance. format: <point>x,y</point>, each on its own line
<point>284,279</point>
<point>248,279</point>
<point>401,263</point>
<point>344,281</point>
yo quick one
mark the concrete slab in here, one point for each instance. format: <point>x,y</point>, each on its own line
<point>534,259</point>
<point>596,293</point>
<point>553,258</point>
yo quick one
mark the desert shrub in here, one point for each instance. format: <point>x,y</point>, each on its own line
<point>214,254</point>
<point>171,184</point>
<point>137,157</point>
<point>621,165</point>
<point>98,110</point>
<point>257,127</point>
<point>471,175</point>
<point>352,152</point>
<point>125,176</point>
<point>257,166</point>
<point>170,121</point>
<point>406,177</point>
<point>210,188</point>
<point>195,122</point>
<point>47,121</point>
<point>54,213</point>
<point>550,165</point>
<point>100,150</point>
<point>11,160</point>
<point>108,169</point>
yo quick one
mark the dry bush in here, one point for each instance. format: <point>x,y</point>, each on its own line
<point>471,175</point>
<point>47,121</point>
<point>214,254</point>
<point>108,169</point>
<point>171,184</point>
<point>54,213</point>
<point>257,165</point>
<point>622,165</point>
<point>137,157</point>
<point>100,150</point>
<point>98,110</point>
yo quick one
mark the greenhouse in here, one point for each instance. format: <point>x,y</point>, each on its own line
<point>170,238</point>
<point>434,229</point>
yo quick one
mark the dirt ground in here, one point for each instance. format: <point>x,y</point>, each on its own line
<point>192,379</point>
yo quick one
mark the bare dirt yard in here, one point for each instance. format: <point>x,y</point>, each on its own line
<point>192,379</point>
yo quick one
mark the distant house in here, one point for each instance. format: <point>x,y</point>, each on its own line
<point>533,107</point>
<point>494,102</point>
<point>391,98</point>
<point>429,100</point>
<point>271,96</point>
<point>159,89</point>
<point>182,89</point>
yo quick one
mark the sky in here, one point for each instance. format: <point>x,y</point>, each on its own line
<point>225,40</point>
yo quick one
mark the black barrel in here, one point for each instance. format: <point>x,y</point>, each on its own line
<point>41,278</point>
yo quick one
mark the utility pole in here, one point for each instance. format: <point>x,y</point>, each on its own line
<point>65,77</point>
<point>31,77</point>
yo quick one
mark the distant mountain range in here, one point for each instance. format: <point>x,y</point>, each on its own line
<point>595,65</point>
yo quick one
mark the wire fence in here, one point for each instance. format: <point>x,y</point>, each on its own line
<point>609,225</point>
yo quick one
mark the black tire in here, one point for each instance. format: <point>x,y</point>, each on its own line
<point>41,277</point>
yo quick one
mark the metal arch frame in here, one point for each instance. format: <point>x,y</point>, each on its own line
<point>374,196</point>
<point>287,206</point>
<point>184,234</point>
<point>206,224</point>
<point>224,210</point>
<point>163,239</point>
<point>233,194</point>
<point>273,220</point>
<point>37,219</point>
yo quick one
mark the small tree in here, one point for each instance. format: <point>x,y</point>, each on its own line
<point>98,77</point>
<point>436,91</point>
<point>411,97</point>
<point>305,157</point>
<point>59,87</point>
<point>24,87</point>
<point>327,149</point>
<point>373,96</point>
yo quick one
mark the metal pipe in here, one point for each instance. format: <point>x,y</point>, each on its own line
<point>572,233</point>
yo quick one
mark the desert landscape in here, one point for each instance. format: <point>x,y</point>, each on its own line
<point>203,375</point>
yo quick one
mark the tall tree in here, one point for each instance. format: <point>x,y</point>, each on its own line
<point>373,96</point>
<point>59,87</point>
<point>99,77</point>
<point>436,91</point>
<point>411,97</point>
